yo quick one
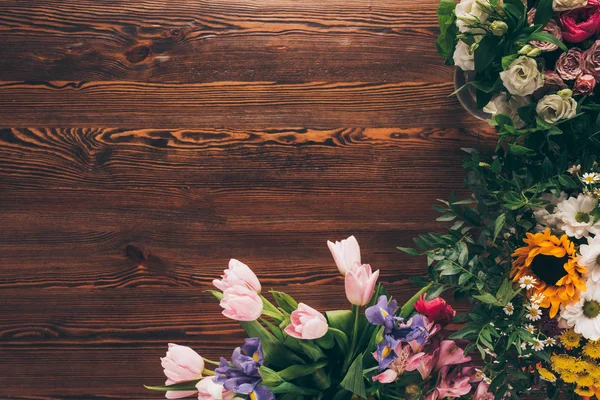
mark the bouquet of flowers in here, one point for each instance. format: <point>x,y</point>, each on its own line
<point>524,249</point>
<point>294,352</point>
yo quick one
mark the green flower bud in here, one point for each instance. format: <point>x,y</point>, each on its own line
<point>485,5</point>
<point>525,49</point>
<point>565,93</point>
<point>535,52</point>
<point>473,47</point>
<point>498,28</point>
<point>468,19</point>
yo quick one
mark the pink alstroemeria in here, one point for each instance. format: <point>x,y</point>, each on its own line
<point>241,303</point>
<point>454,384</point>
<point>181,364</point>
<point>307,323</point>
<point>449,354</point>
<point>360,284</point>
<point>346,254</point>
<point>423,363</point>
<point>482,392</point>
<point>238,274</point>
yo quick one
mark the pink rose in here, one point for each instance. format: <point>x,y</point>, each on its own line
<point>241,304</point>
<point>209,390</point>
<point>581,23</point>
<point>360,284</point>
<point>181,364</point>
<point>237,274</point>
<point>307,323</point>
<point>590,60</point>
<point>568,65</point>
<point>553,29</point>
<point>585,85</point>
<point>346,254</point>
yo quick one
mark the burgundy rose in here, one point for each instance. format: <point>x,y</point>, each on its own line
<point>553,29</point>
<point>585,85</point>
<point>581,23</point>
<point>552,84</point>
<point>568,65</point>
<point>590,60</point>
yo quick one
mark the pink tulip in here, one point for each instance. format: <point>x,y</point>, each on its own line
<point>181,364</point>
<point>241,303</point>
<point>209,390</point>
<point>238,274</point>
<point>346,254</point>
<point>360,284</point>
<point>307,323</point>
<point>387,376</point>
<point>423,363</point>
<point>450,354</point>
<point>455,384</point>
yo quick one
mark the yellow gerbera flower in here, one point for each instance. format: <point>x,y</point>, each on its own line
<point>592,349</point>
<point>584,391</point>
<point>553,261</point>
<point>546,375</point>
<point>570,338</point>
<point>562,362</point>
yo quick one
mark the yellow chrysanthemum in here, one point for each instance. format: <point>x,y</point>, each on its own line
<point>562,362</point>
<point>569,377</point>
<point>584,391</point>
<point>592,349</point>
<point>553,261</point>
<point>546,375</point>
<point>577,367</point>
<point>570,338</point>
<point>585,380</point>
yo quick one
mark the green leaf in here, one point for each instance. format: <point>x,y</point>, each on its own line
<point>218,295</point>
<point>507,60</point>
<point>296,371</point>
<point>353,381</point>
<point>284,301</point>
<point>486,53</point>
<point>446,41</point>
<point>446,218</point>
<point>275,352</point>
<point>407,309</point>
<point>487,298</point>
<point>499,224</point>
<point>543,12</point>
<point>288,387</point>
<point>178,387</point>
<point>519,150</point>
<point>409,250</point>
<point>547,38</point>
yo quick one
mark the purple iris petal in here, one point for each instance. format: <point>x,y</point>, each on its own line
<point>244,376</point>
<point>382,314</point>
<point>253,348</point>
<point>414,330</point>
<point>262,393</point>
<point>385,352</point>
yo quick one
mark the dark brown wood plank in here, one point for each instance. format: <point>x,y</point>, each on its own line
<point>231,104</point>
<point>297,159</point>
<point>229,40</point>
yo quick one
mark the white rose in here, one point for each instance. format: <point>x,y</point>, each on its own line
<point>522,76</point>
<point>500,105</point>
<point>463,57</point>
<point>563,5</point>
<point>553,108</point>
<point>467,8</point>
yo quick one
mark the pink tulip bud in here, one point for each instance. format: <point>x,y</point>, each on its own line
<point>346,254</point>
<point>209,390</point>
<point>240,274</point>
<point>360,284</point>
<point>181,364</point>
<point>241,303</point>
<point>307,323</point>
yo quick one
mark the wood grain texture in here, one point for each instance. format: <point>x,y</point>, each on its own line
<point>143,144</point>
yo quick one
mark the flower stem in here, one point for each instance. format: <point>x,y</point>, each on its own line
<point>206,360</point>
<point>350,356</point>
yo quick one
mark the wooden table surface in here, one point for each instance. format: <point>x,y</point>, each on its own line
<point>144,143</point>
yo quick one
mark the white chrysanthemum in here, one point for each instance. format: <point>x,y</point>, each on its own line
<point>575,217</point>
<point>529,328</point>
<point>537,298</point>
<point>589,257</point>
<point>574,169</point>
<point>527,282</point>
<point>537,344</point>
<point>533,312</point>
<point>509,309</point>
<point>590,177</point>
<point>546,216</point>
<point>550,342</point>
<point>584,315</point>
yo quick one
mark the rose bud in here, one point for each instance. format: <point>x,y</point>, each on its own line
<point>436,310</point>
<point>585,85</point>
<point>568,65</point>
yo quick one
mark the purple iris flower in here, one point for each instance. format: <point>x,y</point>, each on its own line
<point>244,376</point>
<point>262,393</point>
<point>414,330</point>
<point>382,314</point>
<point>385,352</point>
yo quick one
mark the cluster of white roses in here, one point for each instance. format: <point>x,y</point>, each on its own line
<point>574,217</point>
<point>523,76</point>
